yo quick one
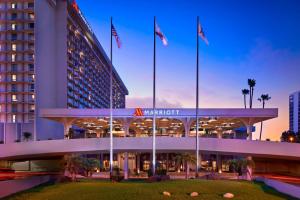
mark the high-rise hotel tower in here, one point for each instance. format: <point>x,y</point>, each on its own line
<point>294,108</point>
<point>49,58</point>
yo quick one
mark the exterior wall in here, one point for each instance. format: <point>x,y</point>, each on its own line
<point>185,144</point>
<point>89,67</point>
<point>14,186</point>
<point>294,108</point>
<point>17,78</point>
<point>38,78</point>
<point>50,61</point>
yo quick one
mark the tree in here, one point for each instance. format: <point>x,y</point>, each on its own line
<point>245,92</point>
<point>290,136</point>
<point>263,98</point>
<point>27,135</point>
<point>185,159</point>
<point>89,165</point>
<point>72,164</point>
<point>241,165</point>
<point>251,83</point>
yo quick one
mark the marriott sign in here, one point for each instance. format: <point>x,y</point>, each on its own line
<point>139,112</point>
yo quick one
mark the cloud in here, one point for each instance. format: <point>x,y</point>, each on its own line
<point>146,102</point>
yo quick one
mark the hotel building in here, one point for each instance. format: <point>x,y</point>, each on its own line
<point>55,84</point>
<point>49,58</point>
<point>294,108</point>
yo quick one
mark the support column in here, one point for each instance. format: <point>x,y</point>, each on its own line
<point>249,132</point>
<point>167,162</point>
<point>138,162</point>
<point>126,165</point>
<point>187,125</point>
<point>219,133</point>
<point>219,163</point>
<point>200,161</point>
<point>249,168</point>
<point>67,123</point>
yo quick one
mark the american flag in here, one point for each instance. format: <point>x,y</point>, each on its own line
<point>161,35</point>
<point>115,34</point>
<point>201,34</point>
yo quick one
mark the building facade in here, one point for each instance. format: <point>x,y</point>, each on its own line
<point>294,111</point>
<point>49,58</point>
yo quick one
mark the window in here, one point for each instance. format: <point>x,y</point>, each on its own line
<point>31,46</point>
<point>13,57</point>
<point>13,26</point>
<point>31,108</point>
<point>31,25</point>
<point>14,36</point>
<point>30,15</point>
<point>14,16</point>
<point>30,5</point>
<point>14,108</point>
<point>14,97</point>
<point>30,36</point>
<point>14,47</point>
<point>32,97</point>
<point>14,68</point>
<point>14,88</point>
<point>14,77</point>
<point>31,87</point>
<point>13,5</point>
<point>14,118</point>
<point>31,67</point>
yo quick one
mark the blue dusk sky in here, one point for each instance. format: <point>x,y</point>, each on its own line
<point>248,39</point>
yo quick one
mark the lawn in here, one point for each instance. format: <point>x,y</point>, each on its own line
<point>105,190</point>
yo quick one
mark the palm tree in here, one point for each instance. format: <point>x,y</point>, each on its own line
<point>185,159</point>
<point>263,98</point>
<point>245,92</point>
<point>251,83</point>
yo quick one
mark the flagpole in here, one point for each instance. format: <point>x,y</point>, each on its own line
<point>154,96</point>
<point>197,101</point>
<point>111,106</point>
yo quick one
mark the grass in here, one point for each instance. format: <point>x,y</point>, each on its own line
<point>105,190</point>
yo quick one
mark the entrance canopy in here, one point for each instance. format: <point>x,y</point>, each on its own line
<point>175,122</point>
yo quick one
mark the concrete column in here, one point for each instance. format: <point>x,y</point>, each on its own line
<point>4,133</point>
<point>249,169</point>
<point>126,165</point>
<point>219,163</point>
<point>138,162</point>
<point>200,161</point>
<point>187,125</point>
<point>167,162</point>
<point>249,132</point>
<point>219,133</point>
<point>67,123</point>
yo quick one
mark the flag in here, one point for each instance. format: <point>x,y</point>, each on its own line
<point>161,35</point>
<point>115,34</point>
<point>201,33</point>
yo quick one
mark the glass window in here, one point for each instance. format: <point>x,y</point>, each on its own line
<point>13,5</point>
<point>14,77</point>
<point>31,25</point>
<point>30,5</point>
<point>14,47</point>
<point>14,36</point>
<point>13,57</point>
<point>14,16</point>
<point>14,97</point>
<point>14,67</point>
<point>31,15</point>
<point>14,108</point>
<point>31,67</point>
<point>13,26</point>
<point>14,88</point>
<point>14,118</point>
